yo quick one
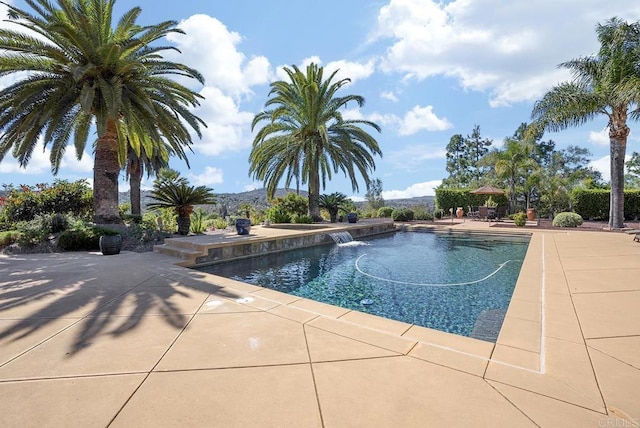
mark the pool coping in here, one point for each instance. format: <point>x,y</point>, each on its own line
<point>472,355</point>
<point>520,354</point>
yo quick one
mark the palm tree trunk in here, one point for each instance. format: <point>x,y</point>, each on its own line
<point>618,133</point>
<point>135,178</point>
<point>314,185</point>
<point>616,201</point>
<point>105,177</point>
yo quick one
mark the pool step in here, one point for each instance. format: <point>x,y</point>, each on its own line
<point>488,324</point>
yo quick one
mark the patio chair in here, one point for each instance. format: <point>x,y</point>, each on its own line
<point>474,214</point>
<point>501,212</point>
<point>634,232</point>
<point>483,212</point>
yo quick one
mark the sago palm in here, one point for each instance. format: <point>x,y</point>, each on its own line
<point>180,197</point>
<point>332,203</point>
<point>75,70</point>
<point>305,137</point>
<point>606,84</point>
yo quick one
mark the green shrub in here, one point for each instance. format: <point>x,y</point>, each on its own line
<point>292,204</point>
<point>59,223</point>
<point>276,214</point>
<point>78,240</point>
<point>34,231</point>
<point>220,223</point>
<point>62,197</point>
<point>83,238</point>
<point>422,213</point>
<point>385,211</point>
<point>520,219</point>
<point>301,219</point>
<point>567,219</point>
<point>197,221</point>
<point>402,214</point>
<point>8,237</point>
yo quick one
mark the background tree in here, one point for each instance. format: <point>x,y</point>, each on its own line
<point>139,163</point>
<point>476,147</point>
<point>374,195</point>
<point>305,136</point>
<point>632,179</point>
<point>512,163</point>
<point>606,84</point>
<point>463,160</point>
<point>457,162</point>
<point>76,70</point>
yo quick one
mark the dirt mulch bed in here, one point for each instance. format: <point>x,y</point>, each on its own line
<point>591,226</point>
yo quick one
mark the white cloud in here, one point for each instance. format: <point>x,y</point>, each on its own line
<point>599,138</point>
<point>347,69</point>
<point>252,186</point>
<point>414,121</point>
<point>229,76</point>
<point>389,95</point>
<point>222,65</point>
<point>40,162</point>
<point>209,177</point>
<point>490,45</point>
<point>422,118</point>
<point>227,128</point>
<point>426,188</point>
<point>603,165</point>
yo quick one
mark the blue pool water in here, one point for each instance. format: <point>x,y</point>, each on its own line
<point>457,283</point>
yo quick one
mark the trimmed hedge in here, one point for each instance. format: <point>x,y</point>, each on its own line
<point>593,204</point>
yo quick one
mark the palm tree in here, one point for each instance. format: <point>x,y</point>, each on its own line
<point>509,164</point>
<point>332,203</point>
<point>179,196</point>
<point>606,84</point>
<point>305,136</point>
<point>80,72</point>
<point>138,163</point>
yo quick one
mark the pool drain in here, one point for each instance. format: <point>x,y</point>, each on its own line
<point>366,302</point>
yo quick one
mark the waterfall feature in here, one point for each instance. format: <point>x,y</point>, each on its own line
<point>341,237</point>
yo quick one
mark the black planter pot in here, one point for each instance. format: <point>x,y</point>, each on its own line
<point>243,226</point>
<point>110,244</point>
<point>352,217</point>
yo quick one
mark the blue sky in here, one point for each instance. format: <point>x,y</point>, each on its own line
<point>428,70</point>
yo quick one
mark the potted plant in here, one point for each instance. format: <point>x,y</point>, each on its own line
<point>110,241</point>
<point>176,194</point>
<point>243,226</point>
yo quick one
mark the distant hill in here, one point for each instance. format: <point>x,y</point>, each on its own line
<point>258,198</point>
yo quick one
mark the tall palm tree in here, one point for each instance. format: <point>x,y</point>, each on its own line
<point>139,163</point>
<point>606,84</point>
<point>305,136</point>
<point>81,71</point>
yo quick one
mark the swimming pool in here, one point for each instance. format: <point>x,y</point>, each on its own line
<point>456,283</point>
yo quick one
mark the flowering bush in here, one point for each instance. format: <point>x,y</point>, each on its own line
<point>63,197</point>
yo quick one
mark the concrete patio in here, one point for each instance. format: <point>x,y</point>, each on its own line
<point>134,340</point>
